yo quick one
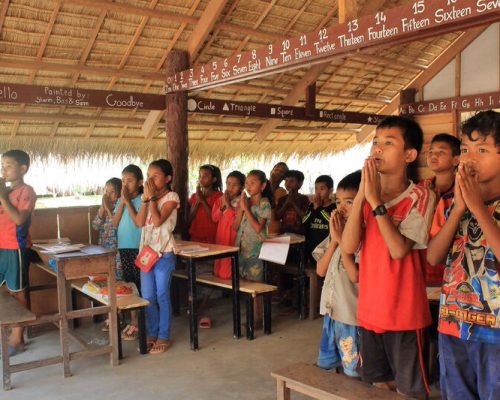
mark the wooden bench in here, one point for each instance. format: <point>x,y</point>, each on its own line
<point>12,314</point>
<point>123,303</point>
<point>319,384</point>
<point>248,288</point>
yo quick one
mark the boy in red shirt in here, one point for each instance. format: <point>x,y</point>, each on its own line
<point>16,207</point>
<point>389,222</point>
<point>442,158</point>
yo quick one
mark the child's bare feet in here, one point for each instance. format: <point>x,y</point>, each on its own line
<point>385,385</point>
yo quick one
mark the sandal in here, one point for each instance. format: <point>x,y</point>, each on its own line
<point>160,347</point>
<point>131,332</point>
<point>150,342</point>
<point>205,323</point>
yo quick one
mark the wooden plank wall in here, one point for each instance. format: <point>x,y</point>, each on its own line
<point>71,222</point>
<point>432,124</point>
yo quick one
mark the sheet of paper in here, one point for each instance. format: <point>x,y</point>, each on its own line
<point>275,249</point>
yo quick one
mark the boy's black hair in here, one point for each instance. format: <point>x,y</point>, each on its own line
<point>238,175</point>
<point>350,181</point>
<point>450,140</point>
<point>117,185</point>
<point>268,191</point>
<point>165,167</point>
<point>20,156</point>
<point>215,172</point>
<point>413,138</point>
<point>486,123</point>
<point>137,172</point>
<point>282,163</point>
<point>293,173</point>
<point>326,179</point>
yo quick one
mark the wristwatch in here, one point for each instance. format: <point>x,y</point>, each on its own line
<point>379,210</point>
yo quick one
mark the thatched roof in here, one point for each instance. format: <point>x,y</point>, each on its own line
<point>122,45</point>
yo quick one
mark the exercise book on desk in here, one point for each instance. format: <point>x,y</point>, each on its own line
<point>275,249</point>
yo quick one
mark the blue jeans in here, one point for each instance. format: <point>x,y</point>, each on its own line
<point>155,288</point>
<point>469,370</point>
<point>339,346</point>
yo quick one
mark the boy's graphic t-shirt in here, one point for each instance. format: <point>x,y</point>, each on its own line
<point>470,296</point>
<point>392,293</point>
<point>316,225</point>
<point>12,236</point>
<point>291,222</point>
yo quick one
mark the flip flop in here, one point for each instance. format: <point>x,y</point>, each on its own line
<point>132,333</point>
<point>205,323</point>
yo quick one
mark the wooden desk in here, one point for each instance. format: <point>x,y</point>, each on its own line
<point>90,260</point>
<point>296,243</point>
<point>131,302</point>
<point>214,252</point>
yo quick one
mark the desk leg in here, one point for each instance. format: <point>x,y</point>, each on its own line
<point>193,312</point>
<point>302,282</point>
<point>235,277</point>
<point>75,323</point>
<point>267,313</point>
<point>120,348</point>
<point>143,347</point>
<point>114,326</point>
<point>250,320</point>
<point>62,298</point>
<point>4,339</point>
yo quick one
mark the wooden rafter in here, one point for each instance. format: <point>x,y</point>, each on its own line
<point>424,77</point>
<point>151,129</point>
<point>169,16</point>
<point>39,55</point>
<point>204,26</point>
<point>123,60</point>
<point>82,60</point>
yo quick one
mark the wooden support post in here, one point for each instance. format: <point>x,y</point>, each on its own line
<point>177,136</point>
<point>407,96</point>
<point>311,99</point>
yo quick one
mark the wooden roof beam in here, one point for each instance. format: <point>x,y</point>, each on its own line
<point>81,69</point>
<point>425,76</point>
<point>204,26</point>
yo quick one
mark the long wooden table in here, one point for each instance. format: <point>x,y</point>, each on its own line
<point>214,252</point>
